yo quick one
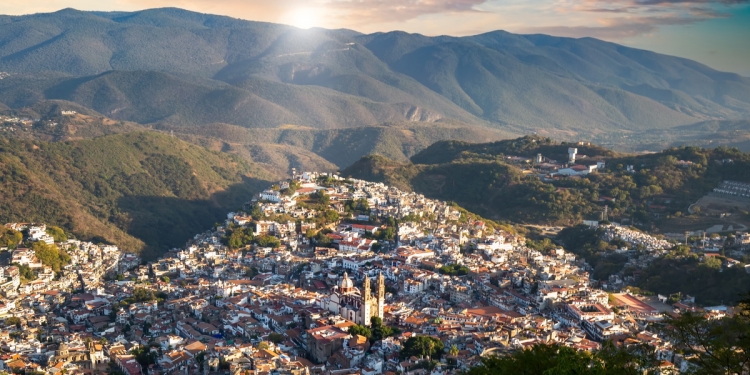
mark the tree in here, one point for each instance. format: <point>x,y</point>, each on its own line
<point>57,233</point>
<point>50,255</point>
<point>268,241</point>
<point>165,279</point>
<point>422,346</point>
<point>362,205</point>
<point>263,346</point>
<point>388,233</point>
<point>144,356</point>
<point>275,337</point>
<point>323,239</point>
<point>13,320</point>
<point>544,245</point>
<point>379,330</point>
<point>712,262</point>
<point>454,270</point>
<point>293,186</point>
<point>25,272</point>
<point>453,351</point>
<point>200,358</point>
<point>557,359</point>
<point>10,238</point>
<point>716,346</point>
<point>744,305</point>
<point>680,250</point>
<point>238,237</point>
<point>331,216</point>
<point>143,295</point>
<point>251,272</point>
<point>256,213</point>
<point>360,330</point>
<point>322,197</point>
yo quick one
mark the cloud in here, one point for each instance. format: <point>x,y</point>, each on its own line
<point>652,6</point>
<point>609,10</point>
<point>620,19</point>
<point>668,2</point>
<point>707,13</point>
<point>614,29</point>
<point>332,13</point>
<point>399,10</point>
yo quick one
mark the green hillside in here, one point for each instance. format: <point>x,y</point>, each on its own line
<point>276,150</point>
<point>53,126</point>
<point>479,177</point>
<point>142,190</point>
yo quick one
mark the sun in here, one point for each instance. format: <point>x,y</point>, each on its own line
<point>303,18</point>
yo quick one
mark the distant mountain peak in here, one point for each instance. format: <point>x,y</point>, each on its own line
<point>256,74</point>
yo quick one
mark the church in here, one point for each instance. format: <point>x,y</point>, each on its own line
<point>84,359</point>
<point>359,307</point>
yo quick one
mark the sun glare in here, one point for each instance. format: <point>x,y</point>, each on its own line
<point>304,18</point>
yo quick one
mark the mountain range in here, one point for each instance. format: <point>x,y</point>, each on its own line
<point>189,72</point>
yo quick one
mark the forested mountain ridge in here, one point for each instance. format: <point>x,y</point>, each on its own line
<point>481,178</point>
<point>184,68</point>
<point>142,190</point>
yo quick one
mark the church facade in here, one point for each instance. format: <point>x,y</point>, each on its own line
<point>355,305</point>
<point>85,359</point>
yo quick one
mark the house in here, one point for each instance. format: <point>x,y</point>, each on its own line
<point>271,196</point>
<point>322,342</point>
<point>577,170</point>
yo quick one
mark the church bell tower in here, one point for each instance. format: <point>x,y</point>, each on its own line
<point>381,295</point>
<point>366,302</point>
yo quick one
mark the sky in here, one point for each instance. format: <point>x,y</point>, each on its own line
<point>713,32</point>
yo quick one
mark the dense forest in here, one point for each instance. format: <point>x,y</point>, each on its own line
<point>141,190</point>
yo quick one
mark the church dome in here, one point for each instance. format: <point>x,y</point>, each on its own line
<point>346,282</point>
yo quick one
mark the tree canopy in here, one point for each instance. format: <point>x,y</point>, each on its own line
<point>50,255</point>
<point>360,330</point>
<point>57,233</point>
<point>237,237</point>
<point>422,346</point>
<point>454,270</point>
<point>266,240</point>
<point>275,337</point>
<point>10,238</point>
<point>143,295</point>
<point>562,360</point>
